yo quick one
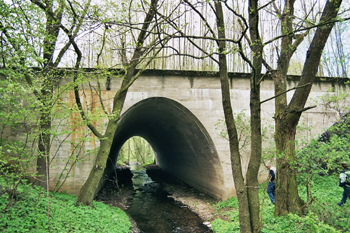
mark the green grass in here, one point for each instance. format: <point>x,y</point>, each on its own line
<point>28,213</point>
<point>323,215</point>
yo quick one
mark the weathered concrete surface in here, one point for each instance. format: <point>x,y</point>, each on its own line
<point>180,126</point>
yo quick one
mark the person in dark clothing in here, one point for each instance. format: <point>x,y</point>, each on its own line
<point>343,182</point>
<point>271,186</point>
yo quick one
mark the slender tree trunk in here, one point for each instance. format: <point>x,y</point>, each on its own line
<point>255,124</point>
<point>241,190</point>
<point>44,147</point>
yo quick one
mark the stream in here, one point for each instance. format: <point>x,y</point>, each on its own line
<point>150,207</point>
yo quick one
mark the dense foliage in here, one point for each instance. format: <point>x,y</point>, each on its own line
<point>28,212</point>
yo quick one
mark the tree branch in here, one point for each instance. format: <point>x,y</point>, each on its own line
<point>300,110</point>
<point>291,89</point>
<point>332,21</point>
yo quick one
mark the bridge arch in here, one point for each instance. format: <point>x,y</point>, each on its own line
<point>182,145</point>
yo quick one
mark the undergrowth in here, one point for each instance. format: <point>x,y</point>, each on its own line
<point>323,214</point>
<point>28,212</point>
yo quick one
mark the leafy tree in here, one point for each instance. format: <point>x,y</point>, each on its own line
<point>17,133</point>
<point>30,35</point>
<point>139,52</point>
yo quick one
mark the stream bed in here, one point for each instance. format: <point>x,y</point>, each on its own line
<point>150,206</point>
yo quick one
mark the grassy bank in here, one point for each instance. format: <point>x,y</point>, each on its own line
<point>28,211</point>
<point>323,214</point>
<point>29,208</point>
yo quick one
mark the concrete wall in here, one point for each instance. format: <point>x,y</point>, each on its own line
<point>199,93</point>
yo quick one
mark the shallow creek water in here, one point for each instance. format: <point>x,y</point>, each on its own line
<point>154,212</point>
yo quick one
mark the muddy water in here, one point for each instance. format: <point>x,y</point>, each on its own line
<point>153,211</point>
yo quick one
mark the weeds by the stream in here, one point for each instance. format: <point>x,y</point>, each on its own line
<point>323,214</point>
<point>30,210</point>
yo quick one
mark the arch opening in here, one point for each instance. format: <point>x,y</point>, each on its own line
<point>181,144</point>
<point>136,150</point>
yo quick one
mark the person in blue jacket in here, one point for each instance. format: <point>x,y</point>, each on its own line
<point>271,186</point>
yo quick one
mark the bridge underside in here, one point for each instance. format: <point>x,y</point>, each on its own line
<point>181,144</point>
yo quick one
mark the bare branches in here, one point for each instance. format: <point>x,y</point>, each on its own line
<point>320,24</point>
<point>190,38</point>
<point>136,76</point>
<point>202,17</point>
<point>72,33</point>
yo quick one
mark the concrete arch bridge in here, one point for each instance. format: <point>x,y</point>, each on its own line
<point>177,113</point>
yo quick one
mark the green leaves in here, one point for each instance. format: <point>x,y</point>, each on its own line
<point>323,213</point>
<point>29,214</point>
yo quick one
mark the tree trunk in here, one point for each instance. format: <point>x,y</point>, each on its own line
<point>49,42</point>
<point>90,188</point>
<point>43,146</point>
<point>255,119</point>
<point>287,197</point>
<point>287,116</point>
<point>241,190</point>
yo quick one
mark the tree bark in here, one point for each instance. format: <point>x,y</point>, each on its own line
<point>90,187</point>
<point>241,190</point>
<point>255,120</point>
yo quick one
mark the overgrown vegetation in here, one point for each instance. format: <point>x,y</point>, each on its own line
<point>31,210</point>
<point>323,214</point>
<point>24,208</point>
<point>318,167</point>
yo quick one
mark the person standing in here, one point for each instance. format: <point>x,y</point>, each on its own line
<point>344,181</point>
<point>271,186</point>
